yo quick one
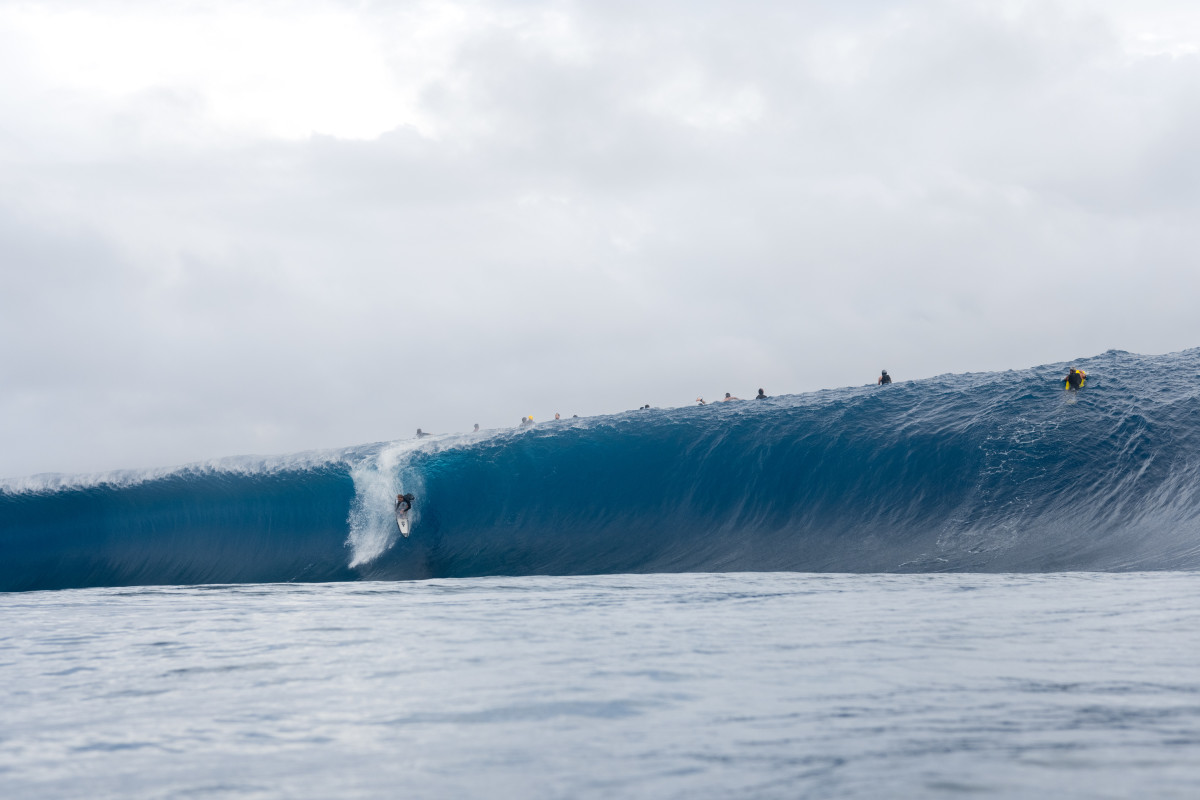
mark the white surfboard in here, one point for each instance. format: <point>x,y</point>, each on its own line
<point>402,522</point>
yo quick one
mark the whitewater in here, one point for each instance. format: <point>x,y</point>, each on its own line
<point>970,584</point>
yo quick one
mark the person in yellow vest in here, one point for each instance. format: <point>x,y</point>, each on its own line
<point>1075,379</point>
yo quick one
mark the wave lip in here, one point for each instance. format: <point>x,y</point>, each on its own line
<point>978,472</point>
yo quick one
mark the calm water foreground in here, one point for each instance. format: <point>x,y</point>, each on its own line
<point>656,686</point>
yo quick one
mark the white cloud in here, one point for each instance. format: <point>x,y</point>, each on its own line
<point>265,69</point>
<point>270,227</point>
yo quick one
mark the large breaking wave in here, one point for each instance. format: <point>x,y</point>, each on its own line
<point>978,472</point>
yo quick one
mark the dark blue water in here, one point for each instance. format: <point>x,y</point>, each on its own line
<point>980,472</point>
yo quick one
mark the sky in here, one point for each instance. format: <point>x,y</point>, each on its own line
<point>262,227</point>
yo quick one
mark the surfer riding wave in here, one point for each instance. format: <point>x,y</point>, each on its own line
<point>403,506</point>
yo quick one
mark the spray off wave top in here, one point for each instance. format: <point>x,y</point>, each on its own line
<point>978,472</point>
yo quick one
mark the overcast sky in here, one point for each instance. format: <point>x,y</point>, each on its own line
<point>265,227</point>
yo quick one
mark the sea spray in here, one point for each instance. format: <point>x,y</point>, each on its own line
<point>378,479</point>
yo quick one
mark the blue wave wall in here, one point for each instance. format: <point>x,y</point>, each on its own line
<point>191,527</point>
<point>979,472</point>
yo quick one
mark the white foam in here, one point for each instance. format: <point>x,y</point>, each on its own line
<point>377,481</point>
<point>380,476</point>
<point>237,465</point>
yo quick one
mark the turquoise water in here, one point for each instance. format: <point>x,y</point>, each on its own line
<point>659,686</point>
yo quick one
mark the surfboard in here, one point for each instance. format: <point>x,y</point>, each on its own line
<point>402,523</point>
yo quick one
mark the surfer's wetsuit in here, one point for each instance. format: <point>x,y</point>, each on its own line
<point>1075,378</point>
<point>884,379</point>
<point>404,504</point>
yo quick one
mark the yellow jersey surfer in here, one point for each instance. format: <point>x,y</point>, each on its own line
<point>1075,379</point>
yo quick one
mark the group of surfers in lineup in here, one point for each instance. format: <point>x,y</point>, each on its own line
<point>1075,380</point>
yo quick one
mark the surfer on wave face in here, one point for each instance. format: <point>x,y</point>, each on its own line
<point>404,502</point>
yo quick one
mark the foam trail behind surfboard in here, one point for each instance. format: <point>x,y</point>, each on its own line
<point>377,481</point>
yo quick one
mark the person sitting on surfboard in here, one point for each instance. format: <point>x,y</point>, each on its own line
<point>729,397</point>
<point>404,503</point>
<point>1075,379</point>
<point>761,394</point>
<point>884,379</point>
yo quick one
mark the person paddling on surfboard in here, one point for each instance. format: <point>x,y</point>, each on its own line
<point>1075,379</point>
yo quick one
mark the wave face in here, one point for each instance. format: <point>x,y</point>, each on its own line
<point>977,472</point>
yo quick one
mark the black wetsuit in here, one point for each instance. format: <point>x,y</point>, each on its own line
<point>403,506</point>
<point>885,379</point>
<point>1074,380</point>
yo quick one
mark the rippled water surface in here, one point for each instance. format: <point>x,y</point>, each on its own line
<point>733,685</point>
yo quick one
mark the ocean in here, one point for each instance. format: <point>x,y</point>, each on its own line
<point>749,685</point>
<point>968,585</point>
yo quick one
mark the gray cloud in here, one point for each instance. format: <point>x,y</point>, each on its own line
<point>618,205</point>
